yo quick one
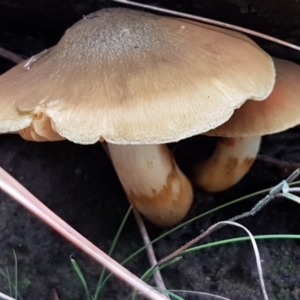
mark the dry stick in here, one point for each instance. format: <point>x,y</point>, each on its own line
<point>55,296</point>
<point>210,21</point>
<point>190,243</point>
<point>150,252</point>
<point>285,164</point>
<point>13,188</point>
<point>17,59</point>
<point>10,55</point>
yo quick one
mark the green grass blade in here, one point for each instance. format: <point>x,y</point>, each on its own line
<point>112,248</point>
<point>16,275</point>
<point>9,282</point>
<point>171,294</point>
<point>242,239</point>
<point>114,243</point>
<point>150,272</point>
<point>224,242</point>
<point>81,278</point>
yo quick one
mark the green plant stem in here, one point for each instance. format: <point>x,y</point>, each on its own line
<point>9,283</point>
<point>81,277</point>
<point>112,248</point>
<point>146,276</point>
<point>16,274</point>
<point>242,239</point>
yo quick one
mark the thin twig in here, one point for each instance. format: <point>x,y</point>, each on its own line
<point>13,188</point>
<point>210,21</point>
<point>150,251</point>
<point>10,55</point>
<point>273,161</point>
<point>55,295</point>
<point>189,244</point>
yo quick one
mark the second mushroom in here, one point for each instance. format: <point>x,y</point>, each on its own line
<point>241,134</point>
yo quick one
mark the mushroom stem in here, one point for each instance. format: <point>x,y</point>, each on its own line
<point>153,182</point>
<point>230,161</point>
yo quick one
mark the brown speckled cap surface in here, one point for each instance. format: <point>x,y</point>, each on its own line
<point>131,77</point>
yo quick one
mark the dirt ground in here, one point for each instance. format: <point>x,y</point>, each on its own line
<point>80,185</point>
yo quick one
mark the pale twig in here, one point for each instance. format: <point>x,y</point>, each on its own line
<point>5,297</point>
<point>210,21</point>
<point>10,55</point>
<point>55,295</point>
<point>210,230</point>
<point>284,164</point>
<point>13,188</point>
<point>150,251</point>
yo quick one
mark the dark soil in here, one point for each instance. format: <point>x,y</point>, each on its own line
<point>80,185</point>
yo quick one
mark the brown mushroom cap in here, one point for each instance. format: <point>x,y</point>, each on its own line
<point>131,77</point>
<point>280,111</point>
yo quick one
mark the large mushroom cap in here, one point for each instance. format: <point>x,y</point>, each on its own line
<point>131,77</point>
<point>280,111</point>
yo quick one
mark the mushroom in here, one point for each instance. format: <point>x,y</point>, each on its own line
<point>137,81</point>
<point>241,134</point>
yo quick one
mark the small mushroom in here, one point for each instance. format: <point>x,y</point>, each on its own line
<point>241,134</point>
<point>137,81</point>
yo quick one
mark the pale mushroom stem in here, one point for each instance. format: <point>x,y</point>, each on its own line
<point>230,161</point>
<point>153,182</point>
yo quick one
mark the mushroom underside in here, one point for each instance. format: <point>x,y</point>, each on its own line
<point>40,129</point>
